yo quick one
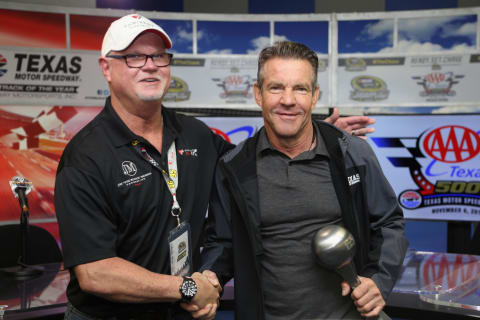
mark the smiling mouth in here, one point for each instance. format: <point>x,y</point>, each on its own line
<point>287,115</point>
<point>150,80</point>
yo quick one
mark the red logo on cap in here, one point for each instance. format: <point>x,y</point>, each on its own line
<point>135,16</point>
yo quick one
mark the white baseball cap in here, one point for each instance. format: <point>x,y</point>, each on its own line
<point>122,32</point>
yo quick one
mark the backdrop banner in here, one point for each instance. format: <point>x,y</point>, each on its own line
<point>60,77</point>
<point>53,77</point>
<point>399,80</point>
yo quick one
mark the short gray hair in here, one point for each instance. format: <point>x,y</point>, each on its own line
<point>287,49</point>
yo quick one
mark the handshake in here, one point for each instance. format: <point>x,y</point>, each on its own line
<point>206,300</point>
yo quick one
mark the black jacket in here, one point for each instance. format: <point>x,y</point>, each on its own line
<point>369,209</point>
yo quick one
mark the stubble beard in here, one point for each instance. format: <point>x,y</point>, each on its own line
<point>157,96</point>
<point>150,97</point>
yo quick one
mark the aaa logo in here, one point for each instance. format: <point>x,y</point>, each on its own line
<point>452,144</point>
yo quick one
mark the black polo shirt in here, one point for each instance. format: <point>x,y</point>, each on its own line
<point>111,202</point>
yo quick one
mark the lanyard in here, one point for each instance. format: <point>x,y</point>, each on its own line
<point>171,177</point>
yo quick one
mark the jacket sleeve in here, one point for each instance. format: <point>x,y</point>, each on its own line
<point>388,244</point>
<point>217,254</point>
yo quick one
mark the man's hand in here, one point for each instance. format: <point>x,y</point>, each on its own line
<point>355,125</point>
<point>366,296</point>
<point>205,303</point>
<point>212,277</point>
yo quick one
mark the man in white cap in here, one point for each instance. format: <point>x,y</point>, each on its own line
<point>130,203</point>
<point>132,190</point>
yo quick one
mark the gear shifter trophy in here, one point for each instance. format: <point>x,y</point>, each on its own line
<point>334,249</point>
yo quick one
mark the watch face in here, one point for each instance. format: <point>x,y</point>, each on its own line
<point>189,288</point>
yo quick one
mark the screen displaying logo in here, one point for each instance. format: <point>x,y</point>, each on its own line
<point>443,163</point>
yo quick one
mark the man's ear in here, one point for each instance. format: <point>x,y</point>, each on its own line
<point>105,67</point>
<point>315,95</point>
<point>258,94</point>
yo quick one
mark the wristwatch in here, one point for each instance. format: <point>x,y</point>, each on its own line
<point>188,289</point>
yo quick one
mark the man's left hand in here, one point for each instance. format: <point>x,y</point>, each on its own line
<point>366,296</point>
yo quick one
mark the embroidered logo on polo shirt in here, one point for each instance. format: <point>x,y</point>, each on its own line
<point>129,168</point>
<point>188,152</point>
<point>353,179</point>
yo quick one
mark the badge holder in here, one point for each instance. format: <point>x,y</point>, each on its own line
<point>179,241</point>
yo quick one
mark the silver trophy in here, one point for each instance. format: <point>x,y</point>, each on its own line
<point>20,188</point>
<point>334,249</point>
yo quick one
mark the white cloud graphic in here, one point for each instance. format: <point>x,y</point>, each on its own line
<point>207,37</point>
<point>466,30</point>
<point>421,29</point>
<point>412,46</point>
<point>220,51</point>
<point>406,46</point>
<point>461,47</point>
<point>262,42</point>
<point>416,30</point>
<point>182,35</point>
<point>424,29</point>
<point>280,38</point>
<point>378,29</point>
<point>258,44</point>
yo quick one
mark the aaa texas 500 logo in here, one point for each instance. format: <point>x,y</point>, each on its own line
<point>444,165</point>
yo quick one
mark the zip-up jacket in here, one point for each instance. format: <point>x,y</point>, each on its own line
<point>370,211</point>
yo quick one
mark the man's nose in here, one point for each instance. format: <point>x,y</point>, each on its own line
<point>288,97</point>
<point>149,64</point>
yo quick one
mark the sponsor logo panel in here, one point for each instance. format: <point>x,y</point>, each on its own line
<point>444,166</point>
<point>237,86</point>
<point>368,88</point>
<point>438,85</point>
<point>177,91</point>
<point>361,64</point>
<point>49,77</point>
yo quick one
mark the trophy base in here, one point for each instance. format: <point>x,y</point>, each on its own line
<point>22,272</point>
